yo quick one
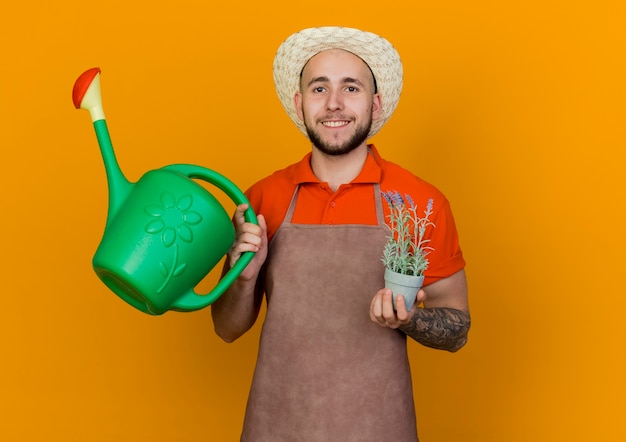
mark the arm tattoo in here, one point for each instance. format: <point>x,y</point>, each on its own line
<point>440,328</point>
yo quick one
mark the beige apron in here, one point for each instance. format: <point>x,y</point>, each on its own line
<point>325,371</point>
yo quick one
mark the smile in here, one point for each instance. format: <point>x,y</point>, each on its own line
<point>335,123</point>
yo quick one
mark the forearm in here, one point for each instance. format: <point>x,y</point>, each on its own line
<point>236,310</point>
<point>440,328</point>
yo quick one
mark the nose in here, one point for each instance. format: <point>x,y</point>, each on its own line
<point>335,100</point>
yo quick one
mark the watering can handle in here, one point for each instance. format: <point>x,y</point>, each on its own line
<point>192,301</point>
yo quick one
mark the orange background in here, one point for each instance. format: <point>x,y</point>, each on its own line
<point>514,109</point>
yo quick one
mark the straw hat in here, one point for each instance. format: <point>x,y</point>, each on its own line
<point>381,57</point>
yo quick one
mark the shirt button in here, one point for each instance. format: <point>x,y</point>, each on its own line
<point>332,204</point>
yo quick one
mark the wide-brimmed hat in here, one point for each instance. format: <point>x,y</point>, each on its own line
<point>381,57</point>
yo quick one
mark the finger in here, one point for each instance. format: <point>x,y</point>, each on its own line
<point>421,297</point>
<point>373,317</point>
<point>239,215</point>
<point>239,249</point>
<point>249,239</point>
<point>376,308</point>
<point>259,229</point>
<point>263,226</point>
<point>247,246</point>
<point>387,306</point>
<point>401,310</point>
<point>249,229</point>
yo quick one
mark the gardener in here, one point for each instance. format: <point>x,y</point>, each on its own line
<point>332,361</point>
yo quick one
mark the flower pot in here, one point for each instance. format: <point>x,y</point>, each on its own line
<point>405,285</point>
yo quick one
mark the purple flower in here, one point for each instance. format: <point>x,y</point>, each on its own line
<point>410,200</point>
<point>429,206</point>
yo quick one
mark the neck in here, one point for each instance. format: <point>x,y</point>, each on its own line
<point>340,169</point>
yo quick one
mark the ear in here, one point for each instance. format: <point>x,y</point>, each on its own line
<point>377,106</point>
<point>297,101</point>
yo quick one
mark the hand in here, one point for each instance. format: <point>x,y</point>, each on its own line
<point>249,238</point>
<point>383,314</point>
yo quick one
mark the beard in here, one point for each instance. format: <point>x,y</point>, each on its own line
<point>336,149</point>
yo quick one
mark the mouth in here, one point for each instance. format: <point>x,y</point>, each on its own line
<point>335,123</point>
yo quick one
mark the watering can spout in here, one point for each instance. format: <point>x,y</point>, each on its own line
<point>86,95</point>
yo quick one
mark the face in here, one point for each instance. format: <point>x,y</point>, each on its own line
<point>336,101</point>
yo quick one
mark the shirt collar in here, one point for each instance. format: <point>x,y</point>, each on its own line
<point>370,173</point>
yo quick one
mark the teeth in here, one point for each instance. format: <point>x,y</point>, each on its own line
<point>334,123</point>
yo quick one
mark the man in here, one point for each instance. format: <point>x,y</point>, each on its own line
<point>332,362</point>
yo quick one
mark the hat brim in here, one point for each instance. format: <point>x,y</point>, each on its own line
<point>381,57</point>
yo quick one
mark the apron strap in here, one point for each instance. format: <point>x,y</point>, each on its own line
<point>292,206</point>
<point>380,213</point>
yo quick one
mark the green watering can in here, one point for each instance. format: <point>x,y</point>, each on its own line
<point>165,232</point>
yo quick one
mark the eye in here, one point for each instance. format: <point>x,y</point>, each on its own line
<point>352,89</point>
<point>319,89</point>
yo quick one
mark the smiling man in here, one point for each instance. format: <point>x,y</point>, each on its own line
<point>333,361</point>
<point>340,107</point>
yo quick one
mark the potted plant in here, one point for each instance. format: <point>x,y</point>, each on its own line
<point>406,251</point>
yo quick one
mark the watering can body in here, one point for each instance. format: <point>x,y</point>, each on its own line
<point>165,232</point>
<point>165,237</point>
